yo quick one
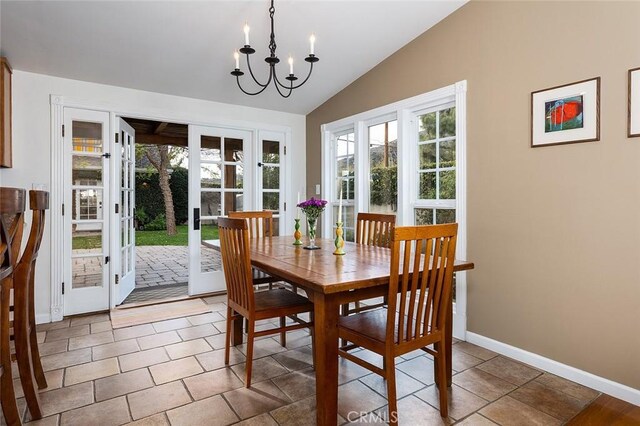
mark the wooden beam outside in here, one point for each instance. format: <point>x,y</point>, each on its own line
<point>160,140</point>
<point>160,127</point>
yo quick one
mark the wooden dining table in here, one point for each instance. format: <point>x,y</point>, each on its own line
<point>329,281</point>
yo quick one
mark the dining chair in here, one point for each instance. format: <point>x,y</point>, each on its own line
<point>242,299</point>
<point>7,396</point>
<point>373,229</point>
<point>416,315</point>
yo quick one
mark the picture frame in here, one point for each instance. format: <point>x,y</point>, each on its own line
<point>633,114</point>
<point>566,114</point>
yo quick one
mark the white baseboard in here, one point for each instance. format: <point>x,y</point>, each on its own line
<point>618,390</point>
<point>43,318</point>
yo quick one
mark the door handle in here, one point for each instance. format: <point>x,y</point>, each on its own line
<point>196,219</point>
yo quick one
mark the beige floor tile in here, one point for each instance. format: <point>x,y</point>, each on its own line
<point>184,349</point>
<point>261,398</point>
<point>297,384</point>
<point>67,398</point>
<point>212,383</point>
<point>132,332</point>
<point>461,402</point>
<point>155,420</point>
<point>113,412</point>
<point>89,319</point>
<point>157,340</point>
<point>175,370</point>
<point>55,347</point>
<point>122,384</point>
<point>414,411</point>
<point>100,327</point>
<point>463,361</point>
<point>404,384</point>
<point>205,318</point>
<point>46,421</point>
<point>172,324</point>
<point>54,381</point>
<point>218,307</point>
<point>213,411</point>
<point>40,335</point>
<point>65,333</point>
<point>483,384</point>
<point>582,393</point>
<point>53,325</point>
<point>65,359</point>
<point>157,399</point>
<point>477,351</point>
<point>508,412</point>
<point>262,420</point>
<point>299,413</point>
<point>217,341</point>
<point>348,371</point>
<point>91,371</point>
<point>197,331</point>
<point>90,340</point>
<point>215,359</point>
<point>262,369</point>
<point>142,359</point>
<point>295,359</point>
<point>476,420</point>
<point>510,370</point>
<point>215,299</point>
<point>262,348</point>
<point>419,368</point>
<point>550,401</point>
<point>115,349</point>
<point>356,397</point>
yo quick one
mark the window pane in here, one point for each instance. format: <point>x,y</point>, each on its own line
<point>271,152</point>
<point>233,176</point>
<point>424,216</point>
<point>445,215</point>
<point>427,127</point>
<point>86,204</point>
<point>427,189</point>
<point>86,238</point>
<point>210,175</point>
<point>87,137</point>
<point>271,201</point>
<point>383,149</point>
<point>447,122</point>
<point>233,149</point>
<point>448,185</point>
<point>210,204</point>
<point>210,148</point>
<point>270,177</point>
<point>448,153</point>
<point>209,258</point>
<point>427,154</point>
<point>87,170</point>
<point>348,222</point>
<point>86,272</point>
<point>232,202</point>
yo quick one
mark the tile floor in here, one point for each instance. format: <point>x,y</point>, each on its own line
<point>172,372</point>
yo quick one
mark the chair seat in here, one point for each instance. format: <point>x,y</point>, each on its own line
<point>368,324</point>
<point>281,299</point>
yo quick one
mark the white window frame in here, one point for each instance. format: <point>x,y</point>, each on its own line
<point>406,112</point>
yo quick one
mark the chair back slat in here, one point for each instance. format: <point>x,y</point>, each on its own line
<point>259,223</point>
<point>236,261</point>
<point>421,277</point>
<point>374,229</point>
<point>12,208</point>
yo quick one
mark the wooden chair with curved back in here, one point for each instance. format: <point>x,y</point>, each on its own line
<point>244,301</point>
<point>372,229</point>
<point>13,198</point>
<point>417,313</point>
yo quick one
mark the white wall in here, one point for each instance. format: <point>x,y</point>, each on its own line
<point>32,138</point>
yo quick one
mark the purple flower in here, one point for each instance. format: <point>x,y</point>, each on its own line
<point>312,207</point>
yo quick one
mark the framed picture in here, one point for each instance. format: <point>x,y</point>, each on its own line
<point>633,117</point>
<point>566,114</point>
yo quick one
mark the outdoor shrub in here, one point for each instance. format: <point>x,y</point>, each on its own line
<point>157,224</point>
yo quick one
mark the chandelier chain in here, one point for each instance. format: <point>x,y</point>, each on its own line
<point>272,41</point>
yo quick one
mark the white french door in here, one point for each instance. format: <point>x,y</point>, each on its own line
<point>271,176</point>
<point>219,182</point>
<point>85,210</point>
<point>125,265</point>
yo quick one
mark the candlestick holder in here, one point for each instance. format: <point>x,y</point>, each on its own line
<point>339,241</point>
<point>297,234</point>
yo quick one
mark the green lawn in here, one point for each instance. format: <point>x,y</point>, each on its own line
<point>151,238</point>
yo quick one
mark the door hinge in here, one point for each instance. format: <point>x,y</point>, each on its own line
<point>106,260</point>
<point>63,210</point>
<point>62,288</point>
<point>285,206</point>
<point>117,279</point>
<point>285,150</point>
<point>117,208</point>
<point>116,138</point>
<point>106,155</point>
<point>63,130</point>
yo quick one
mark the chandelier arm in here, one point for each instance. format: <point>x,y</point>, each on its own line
<point>254,77</point>
<point>303,81</point>
<point>251,93</point>
<point>281,93</point>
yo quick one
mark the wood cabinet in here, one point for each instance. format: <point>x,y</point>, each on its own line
<point>5,113</point>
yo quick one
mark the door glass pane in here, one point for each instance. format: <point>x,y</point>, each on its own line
<point>271,201</point>
<point>87,137</point>
<point>383,150</point>
<point>210,148</point>
<point>233,149</point>
<point>348,222</point>
<point>210,204</point>
<point>86,170</point>
<point>232,202</point>
<point>86,238</point>
<point>233,176</point>
<point>271,152</point>
<point>86,272</point>
<point>210,176</point>
<point>86,204</point>
<point>209,258</point>
<point>270,177</point>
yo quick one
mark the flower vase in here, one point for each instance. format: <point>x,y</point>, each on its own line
<point>339,241</point>
<point>297,234</point>
<point>311,233</point>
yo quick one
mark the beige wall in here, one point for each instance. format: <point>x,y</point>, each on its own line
<point>555,231</point>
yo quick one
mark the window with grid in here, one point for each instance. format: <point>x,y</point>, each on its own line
<point>345,182</point>
<point>436,171</point>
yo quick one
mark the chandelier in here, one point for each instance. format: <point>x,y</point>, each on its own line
<point>283,88</point>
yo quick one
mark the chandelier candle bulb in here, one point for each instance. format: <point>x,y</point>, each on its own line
<point>290,65</point>
<point>246,34</point>
<point>236,56</point>
<point>312,42</point>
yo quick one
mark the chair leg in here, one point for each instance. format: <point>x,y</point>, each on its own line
<point>390,371</point>
<point>27,378</point>
<point>441,374</point>
<point>33,339</point>
<point>227,338</point>
<point>344,311</point>
<point>249,362</point>
<point>283,334</point>
<point>313,339</point>
<point>7,396</point>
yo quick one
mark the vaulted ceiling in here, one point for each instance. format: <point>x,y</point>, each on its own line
<point>185,48</point>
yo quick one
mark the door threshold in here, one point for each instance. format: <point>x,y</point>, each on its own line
<point>168,300</point>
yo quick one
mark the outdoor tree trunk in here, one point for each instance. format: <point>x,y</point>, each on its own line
<point>161,161</point>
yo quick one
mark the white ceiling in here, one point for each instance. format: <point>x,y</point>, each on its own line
<point>185,48</point>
